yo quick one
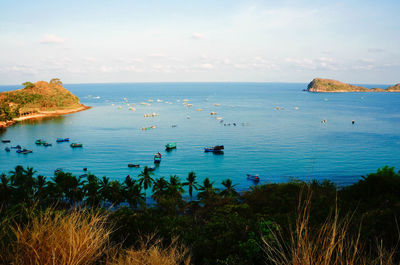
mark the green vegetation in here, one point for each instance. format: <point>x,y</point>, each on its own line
<point>329,85</point>
<point>287,223</point>
<point>34,97</point>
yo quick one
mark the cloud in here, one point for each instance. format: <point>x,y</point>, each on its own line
<point>158,55</point>
<point>51,39</point>
<point>376,50</point>
<point>206,66</point>
<point>197,36</point>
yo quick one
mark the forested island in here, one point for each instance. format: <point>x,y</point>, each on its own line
<point>37,100</point>
<point>66,219</point>
<point>329,85</point>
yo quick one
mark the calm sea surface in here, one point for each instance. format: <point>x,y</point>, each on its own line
<point>275,143</point>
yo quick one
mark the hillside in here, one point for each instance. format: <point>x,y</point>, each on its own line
<point>329,85</point>
<point>38,99</point>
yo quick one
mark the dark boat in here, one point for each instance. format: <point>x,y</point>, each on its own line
<point>157,158</point>
<point>24,151</point>
<point>58,170</point>
<point>133,165</point>
<point>218,149</point>
<point>5,141</point>
<point>7,149</point>
<point>16,147</point>
<point>152,168</point>
<point>39,142</point>
<point>47,144</point>
<point>76,145</point>
<point>60,140</point>
<point>254,178</point>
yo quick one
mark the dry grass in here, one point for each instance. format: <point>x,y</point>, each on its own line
<point>152,252</point>
<point>78,237</point>
<point>329,244</point>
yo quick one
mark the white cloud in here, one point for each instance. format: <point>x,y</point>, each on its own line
<point>206,66</point>
<point>51,39</point>
<point>197,36</point>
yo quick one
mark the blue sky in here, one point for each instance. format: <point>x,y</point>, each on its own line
<point>355,41</point>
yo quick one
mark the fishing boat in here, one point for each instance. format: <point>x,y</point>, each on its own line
<point>254,177</point>
<point>58,170</point>
<point>60,140</point>
<point>218,149</point>
<point>24,151</point>
<point>16,147</point>
<point>133,165</point>
<point>76,145</point>
<point>157,158</point>
<point>152,168</point>
<point>6,141</point>
<point>39,142</point>
<point>170,146</point>
<point>7,149</point>
<point>47,144</point>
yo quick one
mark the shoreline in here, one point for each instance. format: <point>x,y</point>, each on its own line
<point>43,114</point>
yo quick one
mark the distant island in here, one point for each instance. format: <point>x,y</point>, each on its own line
<point>329,85</point>
<point>37,100</point>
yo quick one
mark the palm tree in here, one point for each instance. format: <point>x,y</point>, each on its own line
<point>160,188</point>
<point>104,189</point>
<point>23,182</point>
<point>207,191</point>
<point>175,189</point>
<point>40,188</point>
<point>116,195</point>
<point>91,189</point>
<point>5,189</point>
<point>133,193</point>
<point>229,190</point>
<point>192,183</point>
<point>145,180</point>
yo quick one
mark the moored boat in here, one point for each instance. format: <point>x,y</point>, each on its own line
<point>76,145</point>
<point>218,149</point>
<point>254,177</point>
<point>16,147</point>
<point>7,149</point>
<point>6,141</point>
<point>157,158</point>
<point>152,168</point>
<point>24,151</point>
<point>133,165</point>
<point>47,144</point>
<point>170,146</point>
<point>39,142</point>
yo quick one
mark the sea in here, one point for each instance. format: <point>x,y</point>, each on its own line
<point>275,130</point>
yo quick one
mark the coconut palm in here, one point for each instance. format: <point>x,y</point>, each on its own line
<point>160,188</point>
<point>40,188</point>
<point>229,189</point>
<point>133,193</point>
<point>5,189</point>
<point>191,183</point>
<point>145,180</point>
<point>91,189</point>
<point>22,180</point>
<point>206,191</point>
<point>104,188</point>
<point>175,189</point>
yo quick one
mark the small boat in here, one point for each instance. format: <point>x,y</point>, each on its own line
<point>66,139</point>
<point>170,146</point>
<point>60,140</point>
<point>218,149</point>
<point>5,141</point>
<point>152,168</point>
<point>133,165</point>
<point>47,144</point>
<point>174,126</point>
<point>58,170</point>
<point>213,113</point>
<point>24,151</point>
<point>16,147</point>
<point>39,142</point>
<point>157,158</point>
<point>76,145</point>
<point>7,149</point>
<point>254,178</point>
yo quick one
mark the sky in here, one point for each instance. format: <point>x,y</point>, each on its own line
<point>86,41</point>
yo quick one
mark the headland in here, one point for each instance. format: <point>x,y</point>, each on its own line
<point>37,100</point>
<point>329,85</point>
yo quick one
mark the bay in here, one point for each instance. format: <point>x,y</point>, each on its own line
<point>278,132</point>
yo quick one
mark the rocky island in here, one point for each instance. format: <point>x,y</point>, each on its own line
<point>329,85</point>
<point>37,100</point>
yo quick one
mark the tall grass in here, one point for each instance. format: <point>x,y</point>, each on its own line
<point>330,243</point>
<point>152,252</point>
<point>77,237</point>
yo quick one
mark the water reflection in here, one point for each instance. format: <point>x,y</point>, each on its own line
<point>44,120</point>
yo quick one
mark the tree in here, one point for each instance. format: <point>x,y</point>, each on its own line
<point>104,189</point>
<point>91,189</point>
<point>40,188</point>
<point>160,188</point>
<point>133,193</point>
<point>23,182</point>
<point>207,191</point>
<point>229,189</point>
<point>191,183</point>
<point>145,180</point>
<point>56,81</point>
<point>28,84</point>
<point>5,189</point>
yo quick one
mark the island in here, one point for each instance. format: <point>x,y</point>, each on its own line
<point>37,100</point>
<point>329,85</point>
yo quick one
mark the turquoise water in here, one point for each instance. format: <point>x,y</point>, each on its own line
<point>276,144</point>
